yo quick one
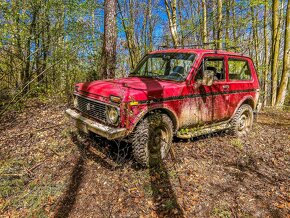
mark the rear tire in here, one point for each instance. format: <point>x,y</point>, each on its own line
<point>242,121</point>
<point>152,139</point>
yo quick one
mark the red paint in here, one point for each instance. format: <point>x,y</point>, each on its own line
<point>199,105</point>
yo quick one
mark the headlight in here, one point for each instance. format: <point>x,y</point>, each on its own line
<point>112,115</point>
<point>76,105</point>
<point>76,88</point>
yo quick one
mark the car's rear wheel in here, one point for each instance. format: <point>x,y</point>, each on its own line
<point>152,139</point>
<point>242,122</point>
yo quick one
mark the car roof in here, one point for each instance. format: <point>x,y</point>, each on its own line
<point>197,51</point>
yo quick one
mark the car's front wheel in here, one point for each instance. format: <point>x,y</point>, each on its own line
<point>242,121</point>
<point>152,139</point>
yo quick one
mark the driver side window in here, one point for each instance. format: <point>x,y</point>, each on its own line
<point>214,64</point>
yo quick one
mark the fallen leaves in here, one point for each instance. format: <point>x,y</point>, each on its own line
<point>211,168</point>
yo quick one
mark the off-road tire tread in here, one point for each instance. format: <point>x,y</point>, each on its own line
<point>235,119</point>
<point>141,133</point>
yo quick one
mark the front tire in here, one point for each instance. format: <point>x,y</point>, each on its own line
<point>152,139</point>
<point>242,121</point>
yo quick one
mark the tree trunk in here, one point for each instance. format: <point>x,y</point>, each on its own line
<point>129,29</point>
<point>234,22</point>
<point>171,14</point>
<point>255,35</point>
<point>219,29</point>
<point>150,24</point>
<point>132,37</point>
<point>180,3</point>
<point>110,40</point>
<point>204,22</point>
<point>276,34</point>
<point>26,70</point>
<point>45,34</point>
<point>266,58</point>
<point>282,91</point>
<point>227,40</point>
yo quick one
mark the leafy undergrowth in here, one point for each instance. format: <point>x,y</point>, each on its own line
<point>48,170</point>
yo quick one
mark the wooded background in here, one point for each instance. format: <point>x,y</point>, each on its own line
<point>48,45</point>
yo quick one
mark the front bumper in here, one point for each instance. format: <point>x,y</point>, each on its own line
<point>87,125</point>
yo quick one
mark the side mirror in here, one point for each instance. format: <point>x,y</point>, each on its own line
<point>208,77</point>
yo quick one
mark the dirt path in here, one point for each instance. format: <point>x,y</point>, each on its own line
<point>46,169</point>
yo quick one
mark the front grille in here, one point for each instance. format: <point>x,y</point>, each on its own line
<point>92,108</point>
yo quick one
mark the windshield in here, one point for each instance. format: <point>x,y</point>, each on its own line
<point>168,66</point>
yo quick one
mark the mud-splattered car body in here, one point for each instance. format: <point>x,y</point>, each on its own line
<point>188,103</point>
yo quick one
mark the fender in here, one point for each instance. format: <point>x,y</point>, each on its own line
<point>248,99</point>
<point>150,108</point>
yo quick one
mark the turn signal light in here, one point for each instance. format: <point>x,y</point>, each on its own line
<point>115,99</point>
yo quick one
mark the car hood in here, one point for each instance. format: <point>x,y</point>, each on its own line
<point>132,88</point>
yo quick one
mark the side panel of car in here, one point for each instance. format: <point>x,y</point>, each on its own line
<point>242,80</point>
<point>190,104</point>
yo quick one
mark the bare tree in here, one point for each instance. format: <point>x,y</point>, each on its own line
<point>110,40</point>
<point>282,91</point>
<point>204,21</point>
<point>255,31</point>
<point>266,57</point>
<point>171,14</point>
<point>234,22</point>
<point>128,23</point>
<point>219,28</point>
<point>276,35</point>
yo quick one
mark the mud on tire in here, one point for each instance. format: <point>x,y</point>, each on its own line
<point>152,139</point>
<point>242,121</point>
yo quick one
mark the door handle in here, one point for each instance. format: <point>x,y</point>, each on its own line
<point>226,86</point>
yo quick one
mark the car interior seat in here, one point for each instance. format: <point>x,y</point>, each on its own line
<point>217,76</point>
<point>177,70</point>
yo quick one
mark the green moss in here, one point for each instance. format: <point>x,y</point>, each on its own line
<point>237,142</point>
<point>20,191</point>
<point>222,212</point>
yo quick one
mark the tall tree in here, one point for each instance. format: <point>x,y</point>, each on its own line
<point>180,18</point>
<point>266,57</point>
<point>282,91</point>
<point>204,22</point>
<point>227,26</point>
<point>234,22</point>
<point>110,40</point>
<point>254,31</point>
<point>219,20</point>
<point>128,23</point>
<point>150,24</point>
<point>276,34</point>
<point>171,14</point>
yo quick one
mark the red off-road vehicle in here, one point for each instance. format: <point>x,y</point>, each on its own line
<point>181,92</point>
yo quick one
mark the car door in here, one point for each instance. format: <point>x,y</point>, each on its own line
<point>218,92</point>
<point>195,107</point>
<point>240,80</point>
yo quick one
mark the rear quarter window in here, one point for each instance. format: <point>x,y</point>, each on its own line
<point>239,69</point>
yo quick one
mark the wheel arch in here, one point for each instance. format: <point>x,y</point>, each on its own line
<point>246,100</point>
<point>170,113</point>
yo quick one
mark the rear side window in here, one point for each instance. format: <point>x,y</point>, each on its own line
<point>239,70</point>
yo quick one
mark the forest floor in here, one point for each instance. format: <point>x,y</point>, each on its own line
<point>48,170</point>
